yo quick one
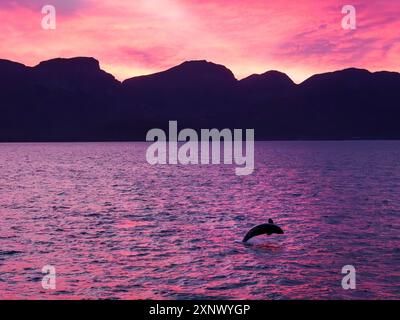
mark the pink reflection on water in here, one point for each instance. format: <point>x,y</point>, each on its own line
<point>115,227</point>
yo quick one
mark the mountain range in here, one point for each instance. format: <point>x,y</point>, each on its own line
<point>74,100</point>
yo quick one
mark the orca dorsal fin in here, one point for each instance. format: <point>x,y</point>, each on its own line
<point>270,221</point>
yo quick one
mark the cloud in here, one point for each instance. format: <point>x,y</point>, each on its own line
<point>151,57</point>
<point>299,37</point>
<point>62,6</point>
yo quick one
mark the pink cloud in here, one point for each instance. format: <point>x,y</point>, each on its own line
<point>64,7</point>
<point>300,37</point>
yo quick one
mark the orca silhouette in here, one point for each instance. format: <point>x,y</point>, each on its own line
<point>266,228</point>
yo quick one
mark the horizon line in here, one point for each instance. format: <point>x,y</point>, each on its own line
<point>197,60</point>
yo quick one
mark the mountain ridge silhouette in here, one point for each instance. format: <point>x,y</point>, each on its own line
<point>73,99</point>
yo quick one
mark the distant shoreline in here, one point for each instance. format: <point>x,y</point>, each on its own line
<point>264,140</point>
<point>74,100</point>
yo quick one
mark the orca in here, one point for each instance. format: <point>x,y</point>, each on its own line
<point>266,228</point>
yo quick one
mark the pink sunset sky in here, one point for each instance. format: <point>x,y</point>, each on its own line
<point>135,37</point>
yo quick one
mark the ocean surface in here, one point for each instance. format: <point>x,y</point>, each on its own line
<point>116,227</point>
